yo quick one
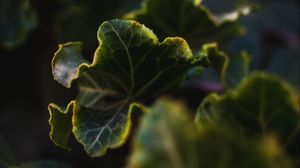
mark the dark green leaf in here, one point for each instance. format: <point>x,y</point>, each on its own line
<point>230,69</point>
<point>217,59</point>
<point>261,104</point>
<point>61,124</point>
<point>167,138</point>
<point>236,70</point>
<point>188,19</point>
<point>130,65</point>
<point>78,20</point>
<point>16,20</point>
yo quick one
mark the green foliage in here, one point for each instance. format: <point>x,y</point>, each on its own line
<point>253,124</point>
<point>78,20</point>
<point>167,137</point>
<point>130,65</point>
<point>188,19</point>
<point>260,105</point>
<point>7,159</point>
<point>236,70</point>
<point>230,69</point>
<point>17,19</point>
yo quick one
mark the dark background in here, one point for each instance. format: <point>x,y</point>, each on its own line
<point>27,86</point>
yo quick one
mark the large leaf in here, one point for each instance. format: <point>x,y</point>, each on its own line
<point>16,20</point>
<point>167,138</point>
<point>188,19</point>
<point>130,65</point>
<point>261,104</point>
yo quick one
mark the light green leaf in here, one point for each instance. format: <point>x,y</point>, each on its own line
<point>66,61</point>
<point>7,158</point>
<point>130,65</point>
<point>167,138</point>
<point>261,104</point>
<point>188,19</point>
<point>16,20</point>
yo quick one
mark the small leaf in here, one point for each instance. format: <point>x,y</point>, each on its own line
<point>7,158</point>
<point>167,137</point>
<point>188,19</point>
<point>261,104</point>
<point>66,61</point>
<point>61,124</point>
<point>231,69</point>
<point>130,65</point>
<point>236,70</point>
<point>16,21</point>
<point>217,59</point>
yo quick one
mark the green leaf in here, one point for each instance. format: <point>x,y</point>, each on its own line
<point>7,158</point>
<point>188,19</point>
<point>44,164</point>
<point>167,137</point>
<point>78,20</point>
<point>217,59</point>
<point>231,69</point>
<point>16,21</point>
<point>61,124</point>
<point>163,137</point>
<point>261,104</point>
<point>130,65</point>
<point>236,70</point>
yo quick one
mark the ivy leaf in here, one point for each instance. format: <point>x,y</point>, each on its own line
<point>188,19</point>
<point>130,65</point>
<point>261,104</point>
<point>167,137</point>
<point>16,20</point>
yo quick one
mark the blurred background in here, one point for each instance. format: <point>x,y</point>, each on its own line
<point>30,32</point>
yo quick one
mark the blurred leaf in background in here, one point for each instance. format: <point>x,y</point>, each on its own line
<point>272,37</point>
<point>7,159</point>
<point>168,137</point>
<point>189,19</point>
<point>17,19</point>
<point>261,104</point>
<point>78,20</point>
